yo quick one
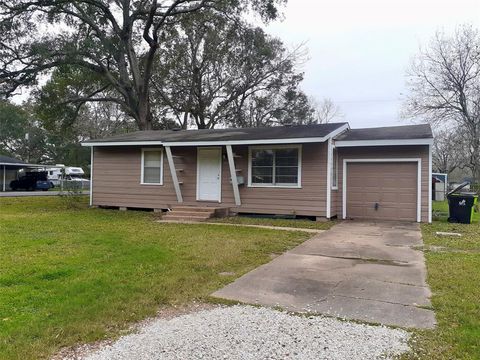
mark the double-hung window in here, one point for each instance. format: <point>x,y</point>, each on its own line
<point>152,167</point>
<point>275,166</point>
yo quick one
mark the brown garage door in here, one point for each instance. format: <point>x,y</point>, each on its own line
<point>393,186</point>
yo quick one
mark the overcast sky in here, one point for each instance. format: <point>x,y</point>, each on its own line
<point>359,50</point>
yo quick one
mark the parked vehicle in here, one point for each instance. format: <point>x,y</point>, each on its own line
<point>34,180</point>
<point>61,172</point>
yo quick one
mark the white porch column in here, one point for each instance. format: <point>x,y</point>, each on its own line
<point>173,172</point>
<point>91,177</point>
<point>233,175</point>
<point>329,177</point>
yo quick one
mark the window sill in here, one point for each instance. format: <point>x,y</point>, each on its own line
<point>154,184</point>
<point>334,187</point>
<point>276,186</point>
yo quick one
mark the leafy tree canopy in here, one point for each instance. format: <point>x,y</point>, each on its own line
<point>116,41</point>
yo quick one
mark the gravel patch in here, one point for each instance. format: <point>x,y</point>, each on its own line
<point>247,332</point>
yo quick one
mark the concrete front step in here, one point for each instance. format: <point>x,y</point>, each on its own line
<point>194,209</point>
<point>174,217</point>
<point>190,213</point>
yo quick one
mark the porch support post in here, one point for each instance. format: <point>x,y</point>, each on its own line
<point>329,177</point>
<point>173,172</point>
<point>233,175</point>
<point>4,177</point>
<point>91,176</point>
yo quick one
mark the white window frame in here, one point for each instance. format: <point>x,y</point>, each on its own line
<point>335,161</point>
<point>298,185</point>
<point>142,166</point>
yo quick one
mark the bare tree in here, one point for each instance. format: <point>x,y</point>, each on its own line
<point>448,151</point>
<point>444,81</point>
<point>214,66</point>
<point>116,40</point>
<point>326,111</point>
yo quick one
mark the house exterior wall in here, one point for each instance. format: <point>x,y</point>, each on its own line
<point>117,174</point>
<point>384,152</point>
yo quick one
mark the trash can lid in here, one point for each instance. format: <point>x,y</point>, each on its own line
<point>464,194</point>
<point>459,187</point>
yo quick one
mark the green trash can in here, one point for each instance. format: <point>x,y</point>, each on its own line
<point>461,206</point>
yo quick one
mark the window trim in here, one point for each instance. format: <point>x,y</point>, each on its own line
<point>335,173</point>
<point>275,147</point>
<point>142,167</point>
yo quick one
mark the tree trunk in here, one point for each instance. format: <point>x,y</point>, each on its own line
<point>144,115</point>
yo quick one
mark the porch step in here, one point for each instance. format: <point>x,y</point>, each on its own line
<point>193,213</point>
<point>174,217</point>
<point>194,208</point>
<point>190,213</point>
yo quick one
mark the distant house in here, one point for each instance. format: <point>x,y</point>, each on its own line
<point>322,171</point>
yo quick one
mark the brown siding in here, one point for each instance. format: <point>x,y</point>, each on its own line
<point>385,152</point>
<point>116,182</point>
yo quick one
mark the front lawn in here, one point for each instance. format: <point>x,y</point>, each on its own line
<point>453,265</point>
<point>71,276</point>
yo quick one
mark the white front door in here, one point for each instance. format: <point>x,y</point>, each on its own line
<point>209,174</point>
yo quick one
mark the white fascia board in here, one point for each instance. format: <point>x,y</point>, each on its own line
<point>338,131</point>
<point>122,143</point>
<point>23,165</point>
<point>352,143</point>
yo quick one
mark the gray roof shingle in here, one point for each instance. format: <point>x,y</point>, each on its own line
<point>422,131</point>
<point>276,132</point>
<point>9,160</point>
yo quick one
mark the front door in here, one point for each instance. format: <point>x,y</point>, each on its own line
<point>209,174</point>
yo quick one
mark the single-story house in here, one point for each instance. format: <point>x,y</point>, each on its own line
<point>322,171</point>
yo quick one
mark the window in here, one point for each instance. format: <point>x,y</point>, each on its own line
<point>278,166</point>
<point>335,170</point>
<point>152,166</point>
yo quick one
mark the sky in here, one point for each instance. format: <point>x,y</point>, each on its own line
<point>359,51</point>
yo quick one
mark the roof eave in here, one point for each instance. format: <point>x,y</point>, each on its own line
<point>383,142</point>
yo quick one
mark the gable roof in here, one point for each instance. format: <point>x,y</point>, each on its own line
<point>422,131</point>
<point>235,135</point>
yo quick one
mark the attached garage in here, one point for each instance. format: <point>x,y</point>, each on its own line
<point>382,189</point>
<point>383,174</point>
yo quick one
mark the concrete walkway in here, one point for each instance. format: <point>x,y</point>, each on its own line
<point>268,227</point>
<point>356,270</point>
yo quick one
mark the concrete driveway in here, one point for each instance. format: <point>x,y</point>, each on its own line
<point>365,271</point>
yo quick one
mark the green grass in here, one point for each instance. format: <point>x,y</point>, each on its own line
<point>294,223</point>
<point>71,276</point>
<point>454,278</point>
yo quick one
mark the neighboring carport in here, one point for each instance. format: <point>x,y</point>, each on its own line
<point>9,168</point>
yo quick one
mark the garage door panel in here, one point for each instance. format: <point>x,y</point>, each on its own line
<point>393,186</point>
